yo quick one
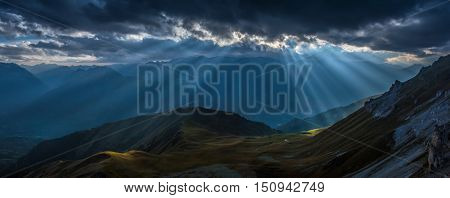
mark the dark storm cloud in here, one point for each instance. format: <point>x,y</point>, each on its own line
<point>428,29</point>
<point>14,52</point>
<point>399,25</point>
<point>270,17</point>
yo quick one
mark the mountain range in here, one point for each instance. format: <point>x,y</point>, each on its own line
<point>49,100</point>
<point>402,133</point>
<point>78,98</point>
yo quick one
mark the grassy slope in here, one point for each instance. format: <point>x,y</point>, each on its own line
<point>281,155</point>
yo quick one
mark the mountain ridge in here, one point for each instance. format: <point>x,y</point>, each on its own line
<point>152,133</point>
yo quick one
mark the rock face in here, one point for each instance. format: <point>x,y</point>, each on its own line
<point>421,125</point>
<point>383,106</point>
<point>420,110</point>
<point>438,148</point>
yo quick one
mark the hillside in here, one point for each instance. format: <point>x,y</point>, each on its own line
<point>12,148</point>
<point>154,134</point>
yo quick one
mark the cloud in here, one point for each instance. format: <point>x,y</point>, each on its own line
<point>405,58</point>
<point>412,34</point>
<point>130,29</point>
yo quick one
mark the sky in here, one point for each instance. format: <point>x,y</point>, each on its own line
<point>71,32</point>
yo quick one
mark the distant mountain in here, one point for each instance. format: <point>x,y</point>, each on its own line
<point>323,119</point>
<point>125,69</point>
<point>17,87</point>
<point>36,69</point>
<point>87,98</point>
<point>62,75</point>
<point>154,134</point>
<point>402,133</point>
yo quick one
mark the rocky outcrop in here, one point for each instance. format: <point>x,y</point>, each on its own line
<point>420,126</point>
<point>418,110</point>
<point>438,147</point>
<point>384,105</point>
